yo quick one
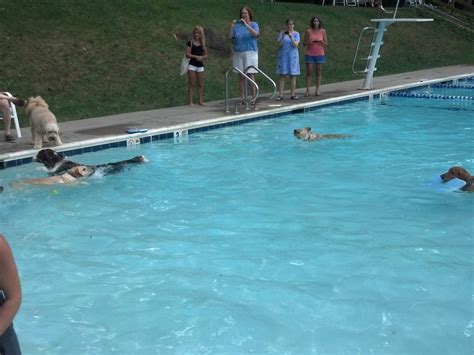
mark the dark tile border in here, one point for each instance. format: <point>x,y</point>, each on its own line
<point>170,135</point>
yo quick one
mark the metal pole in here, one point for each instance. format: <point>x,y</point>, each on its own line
<point>227,91</point>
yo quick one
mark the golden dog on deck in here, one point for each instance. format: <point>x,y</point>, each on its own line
<point>44,126</point>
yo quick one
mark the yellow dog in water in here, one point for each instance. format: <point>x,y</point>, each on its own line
<point>71,176</point>
<point>308,135</point>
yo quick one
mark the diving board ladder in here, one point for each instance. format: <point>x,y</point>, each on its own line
<point>376,44</point>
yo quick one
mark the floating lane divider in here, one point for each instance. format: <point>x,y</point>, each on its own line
<point>429,96</point>
<point>452,86</point>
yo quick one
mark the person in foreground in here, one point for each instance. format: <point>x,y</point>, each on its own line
<point>244,33</point>
<point>462,174</point>
<point>10,299</point>
<point>196,51</point>
<point>288,58</point>
<point>315,40</point>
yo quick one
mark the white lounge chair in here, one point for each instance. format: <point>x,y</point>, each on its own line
<point>14,116</point>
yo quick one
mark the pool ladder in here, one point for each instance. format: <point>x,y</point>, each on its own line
<point>248,101</point>
<point>373,54</point>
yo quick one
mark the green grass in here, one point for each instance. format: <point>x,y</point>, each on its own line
<point>96,58</point>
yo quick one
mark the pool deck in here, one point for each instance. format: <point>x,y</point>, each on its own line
<point>89,131</point>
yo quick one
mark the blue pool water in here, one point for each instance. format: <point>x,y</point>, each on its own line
<point>247,240</point>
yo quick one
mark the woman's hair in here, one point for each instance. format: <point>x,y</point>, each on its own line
<point>201,32</point>
<point>248,10</point>
<point>311,24</point>
<point>288,20</point>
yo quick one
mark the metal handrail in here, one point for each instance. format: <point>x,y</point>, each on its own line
<point>390,12</point>
<point>247,78</point>
<point>357,50</point>
<point>266,76</point>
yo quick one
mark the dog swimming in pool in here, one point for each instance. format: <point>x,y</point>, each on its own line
<point>64,171</point>
<point>69,177</point>
<point>57,163</point>
<point>308,135</point>
<point>458,172</point>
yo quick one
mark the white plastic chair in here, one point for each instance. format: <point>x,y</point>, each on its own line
<point>13,115</point>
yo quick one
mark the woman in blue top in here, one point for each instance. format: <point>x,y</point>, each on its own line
<point>288,58</point>
<point>244,34</point>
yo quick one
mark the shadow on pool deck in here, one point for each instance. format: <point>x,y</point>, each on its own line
<point>93,128</point>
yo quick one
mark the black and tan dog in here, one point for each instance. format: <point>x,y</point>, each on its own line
<point>462,174</point>
<point>307,134</point>
<point>57,164</point>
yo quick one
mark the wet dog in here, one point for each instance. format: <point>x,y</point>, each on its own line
<point>56,163</point>
<point>307,134</point>
<point>462,174</point>
<point>44,126</point>
<point>70,176</point>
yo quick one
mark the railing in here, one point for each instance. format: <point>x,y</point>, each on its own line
<point>266,77</point>
<point>394,12</point>
<point>246,100</point>
<point>247,79</point>
<point>456,16</point>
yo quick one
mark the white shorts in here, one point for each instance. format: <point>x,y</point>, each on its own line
<point>242,60</point>
<point>196,69</point>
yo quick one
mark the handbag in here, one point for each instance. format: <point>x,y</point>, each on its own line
<point>184,65</point>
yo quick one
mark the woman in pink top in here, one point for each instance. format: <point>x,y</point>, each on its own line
<point>315,41</point>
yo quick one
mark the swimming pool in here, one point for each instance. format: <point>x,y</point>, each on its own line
<point>245,239</point>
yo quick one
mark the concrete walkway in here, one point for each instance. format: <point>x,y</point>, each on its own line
<point>81,131</point>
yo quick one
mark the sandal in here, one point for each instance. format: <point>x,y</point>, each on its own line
<point>307,94</point>
<point>9,138</point>
<point>294,98</point>
<point>279,98</point>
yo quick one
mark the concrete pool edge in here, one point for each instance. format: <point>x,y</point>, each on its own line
<point>21,157</point>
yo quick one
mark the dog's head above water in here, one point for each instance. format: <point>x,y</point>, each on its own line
<point>456,172</point>
<point>81,171</point>
<point>49,158</point>
<point>303,133</point>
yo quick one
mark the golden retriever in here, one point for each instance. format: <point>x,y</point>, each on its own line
<point>69,177</point>
<point>44,126</point>
<point>462,174</point>
<point>307,134</point>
